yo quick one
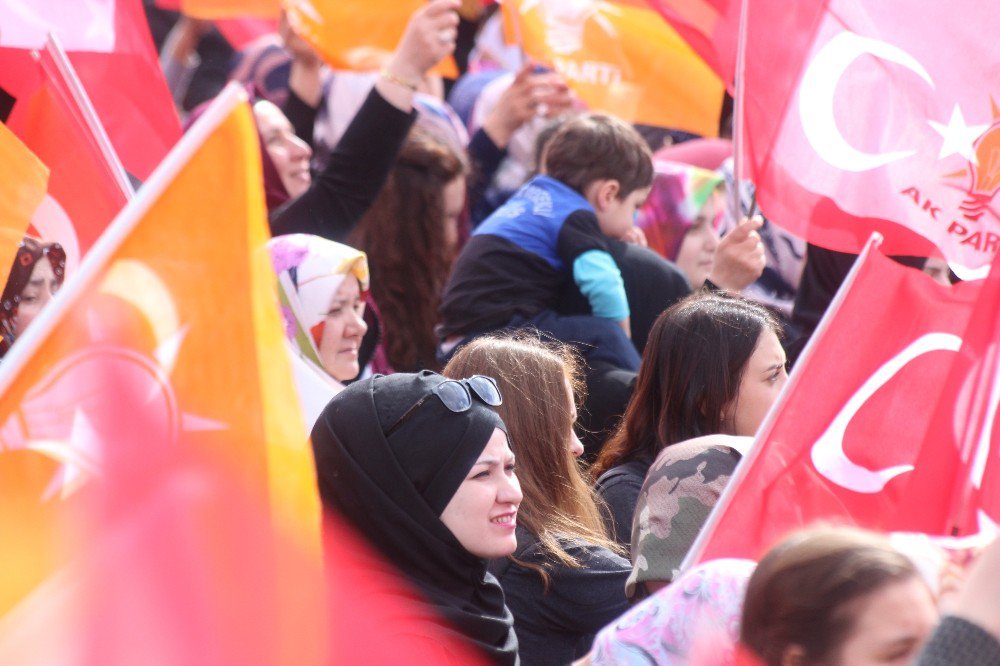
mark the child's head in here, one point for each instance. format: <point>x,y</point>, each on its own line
<point>607,161</point>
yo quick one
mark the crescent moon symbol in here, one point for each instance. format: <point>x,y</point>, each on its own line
<point>816,96</point>
<point>828,454</point>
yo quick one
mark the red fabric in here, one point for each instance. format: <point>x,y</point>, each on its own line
<point>960,451</point>
<point>779,486</point>
<point>845,107</point>
<point>81,181</point>
<point>124,83</point>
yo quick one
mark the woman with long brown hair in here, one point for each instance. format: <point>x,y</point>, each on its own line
<point>410,235</point>
<point>565,581</point>
<point>713,365</point>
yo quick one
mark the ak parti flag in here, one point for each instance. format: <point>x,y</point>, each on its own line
<point>882,116</point>
<point>86,188</point>
<point>711,27</point>
<point>21,190</point>
<point>841,442</point>
<point>621,59</point>
<point>357,34</point>
<point>109,44</point>
<point>167,338</point>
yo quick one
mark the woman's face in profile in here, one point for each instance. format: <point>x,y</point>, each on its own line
<point>42,286</point>
<point>764,375</point>
<point>482,514</point>
<point>289,153</point>
<point>343,329</point>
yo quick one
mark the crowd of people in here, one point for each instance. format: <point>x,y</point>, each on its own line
<point>551,339</point>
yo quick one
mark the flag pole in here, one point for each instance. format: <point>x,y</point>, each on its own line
<point>96,260</point>
<point>738,111</point>
<point>764,432</point>
<point>68,76</point>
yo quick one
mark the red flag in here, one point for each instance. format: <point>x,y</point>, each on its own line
<point>877,116</point>
<point>842,439</point>
<point>961,451</point>
<point>711,27</point>
<point>85,189</point>
<point>109,44</point>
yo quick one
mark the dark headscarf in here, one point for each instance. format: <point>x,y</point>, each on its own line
<point>29,252</point>
<point>393,490</point>
<point>275,193</point>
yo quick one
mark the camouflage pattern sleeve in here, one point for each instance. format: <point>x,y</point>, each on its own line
<point>682,486</point>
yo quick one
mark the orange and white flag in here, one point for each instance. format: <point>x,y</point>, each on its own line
<point>620,58</point>
<point>167,339</point>
<point>21,190</point>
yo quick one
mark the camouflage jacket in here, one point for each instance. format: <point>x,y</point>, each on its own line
<point>682,486</point>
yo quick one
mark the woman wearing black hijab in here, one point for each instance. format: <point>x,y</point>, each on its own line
<point>420,466</point>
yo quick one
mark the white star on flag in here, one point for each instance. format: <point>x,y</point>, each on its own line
<point>958,137</point>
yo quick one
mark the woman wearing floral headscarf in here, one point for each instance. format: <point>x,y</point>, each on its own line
<point>321,286</point>
<point>680,217</point>
<point>681,220</point>
<point>694,621</point>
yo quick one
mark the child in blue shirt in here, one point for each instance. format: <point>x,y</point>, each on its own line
<point>597,171</point>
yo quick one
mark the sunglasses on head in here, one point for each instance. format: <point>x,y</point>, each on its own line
<point>455,394</point>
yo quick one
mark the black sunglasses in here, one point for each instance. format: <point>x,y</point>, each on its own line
<point>456,396</point>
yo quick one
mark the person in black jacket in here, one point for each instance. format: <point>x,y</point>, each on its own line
<point>337,198</point>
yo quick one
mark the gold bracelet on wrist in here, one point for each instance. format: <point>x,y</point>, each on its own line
<point>392,78</point>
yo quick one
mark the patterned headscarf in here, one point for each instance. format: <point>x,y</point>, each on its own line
<point>678,194</point>
<point>694,620</point>
<point>310,270</point>
<point>30,251</point>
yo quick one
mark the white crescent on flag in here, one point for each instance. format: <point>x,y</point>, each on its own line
<point>816,99</point>
<point>828,455</point>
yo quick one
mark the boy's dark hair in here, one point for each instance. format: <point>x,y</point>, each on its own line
<point>596,146</point>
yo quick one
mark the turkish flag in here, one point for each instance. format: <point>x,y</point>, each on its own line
<point>711,27</point>
<point>621,59</point>
<point>961,451</point>
<point>109,44</point>
<point>841,442</point>
<point>85,189</point>
<point>21,190</point>
<point>167,336</point>
<point>865,116</point>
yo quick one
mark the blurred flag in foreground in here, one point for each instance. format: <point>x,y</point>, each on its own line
<point>620,59</point>
<point>87,186</point>
<point>109,44</point>
<point>167,337</point>
<point>842,440</point>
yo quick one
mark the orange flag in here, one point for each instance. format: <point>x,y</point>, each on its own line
<point>166,339</point>
<point>357,34</point>
<point>21,190</point>
<point>621,59</point>
<point>226,9</point>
